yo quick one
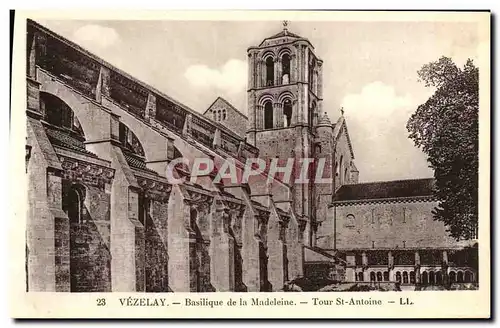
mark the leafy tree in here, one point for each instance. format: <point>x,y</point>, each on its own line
<point>445,127</point>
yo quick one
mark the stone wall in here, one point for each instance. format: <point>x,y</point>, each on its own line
<point>385,225</point>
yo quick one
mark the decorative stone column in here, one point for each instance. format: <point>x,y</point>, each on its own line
<point>276,71</point>
<point>259,117</point>
<point>221,248</point>
<point>350,270</point>
<point>262,72</point>
<point>293,68</point>
<point>250,63</point>
<point>278,115</point>
<point>390,267</point>
<point>364,261</point>
<point>417,268</point>
<point>444,268</point>
<point>279,70</point>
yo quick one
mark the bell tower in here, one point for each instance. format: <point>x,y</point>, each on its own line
<point>284,99</point>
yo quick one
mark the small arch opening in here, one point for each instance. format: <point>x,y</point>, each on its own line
<point>412,277</point>
<point>432,278</point>
<point>453,277</point>
<point>129,141</point>
<point>386,275</point>
<point>439,278</point>
<point>372,276</point>
<point>379,276</point>
<point>73,203</point>
<point>460,276</point>
<point>468,276</point>
<point>405,277</point>
<point>425,278</point>
<point>398,276</point>
<point>360,276</point>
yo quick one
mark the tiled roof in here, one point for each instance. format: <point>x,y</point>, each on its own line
<point>386,189</point>
<point>283,34</point>
<point>136,163</point>
<point>61,138</point>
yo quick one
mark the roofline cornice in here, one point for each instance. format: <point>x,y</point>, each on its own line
<point>413,199</point>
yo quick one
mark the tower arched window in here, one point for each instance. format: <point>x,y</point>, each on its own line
<point>268,115</point>
<point>285,62</point>
<point>269,71</point>
<point>223,114</point>
<point>287,112</point>
<point>346,175</point>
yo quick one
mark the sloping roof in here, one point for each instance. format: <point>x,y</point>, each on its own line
<point>283,34</point>
<point>386,189</point>
<point>228,104</point>
<point>316,254</point>
<point>136,163</point>
<point>61,138</point>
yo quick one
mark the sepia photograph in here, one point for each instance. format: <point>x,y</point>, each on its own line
<point>255,156</point>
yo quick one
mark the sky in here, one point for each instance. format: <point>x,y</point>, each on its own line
<point>370,69</point>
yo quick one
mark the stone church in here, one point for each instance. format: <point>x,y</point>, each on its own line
<point>102,215</point>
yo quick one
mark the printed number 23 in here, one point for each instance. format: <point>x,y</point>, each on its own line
<point>101,301</point>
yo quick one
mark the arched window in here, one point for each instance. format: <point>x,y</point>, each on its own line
<point>453,277</point>
<point>386,275</point>
<point>129,140</point>
<point>287,112</point>
<point>468,276</point>
<point>379,276</point>
<point>439,278</point>
<point>412,277</point>
<point>144,207</point>
<point>372,276</point>
<point>460,276</point>
<point>398,276</point>
<point>425,278</point>
<point>268,115</point>
<point>350,221</point>
<point>73,203</point>
<point>405,277</point>
<point>360,276</point>
<point>285,60</point>
<point>223,114</point>
<point>346,175</point>
<point>269,71</point>
<point>432,278</point>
